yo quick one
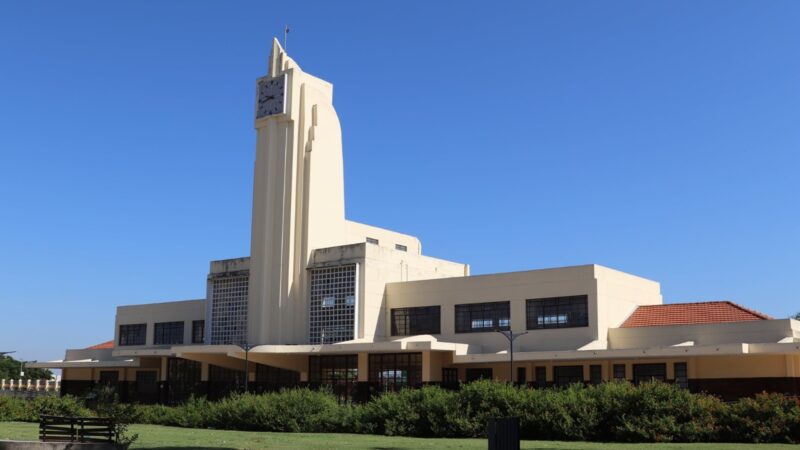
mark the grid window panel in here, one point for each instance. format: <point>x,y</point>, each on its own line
<point>619,372</point>
<point>413,321</point>
<point>649,372</point>
<point>393,371</point>
<point>168,333</point>
<point>681,375</point>
<point>340,372</point>
<point>134,334</point>
<point>558,312</point>
<point>595,374</point>
<point>332,307</point>
<point>566,375</point>
<point>541,376</point>
<point>229,309</point>
<point>477,317</point>
<point>198,331</point>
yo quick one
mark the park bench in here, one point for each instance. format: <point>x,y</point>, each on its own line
<point>76,429</point>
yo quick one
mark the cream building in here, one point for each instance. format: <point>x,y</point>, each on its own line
<point>325,301</point>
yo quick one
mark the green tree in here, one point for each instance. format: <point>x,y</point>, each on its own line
<point>797,316</point>
<point>10,369</point>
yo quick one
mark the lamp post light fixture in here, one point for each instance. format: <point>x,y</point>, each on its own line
<point>247,348</point>
<point>511,336</point>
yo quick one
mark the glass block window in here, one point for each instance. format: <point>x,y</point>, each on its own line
<point>413,321</point>
<point>475,317</point>
<point>619,372</point>
<point>198,331</point>
<point>649,372</point>
<point>332,309</point>
<point>558,312</point>
<point>595,374</point>
<point>132,334</point>
<point>229,309</point>
<point>393,371</point>
<point>566,375</point>
<point>681,375</point>
<point>168,333</point>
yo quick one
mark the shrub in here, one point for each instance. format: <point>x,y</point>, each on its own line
<point>428,411</point>
<point>765,418</point>
<point>560,414</point>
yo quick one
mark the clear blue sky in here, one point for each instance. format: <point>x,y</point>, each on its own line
<point>658,138</point>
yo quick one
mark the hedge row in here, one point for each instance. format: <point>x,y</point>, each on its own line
<point>620,412</point>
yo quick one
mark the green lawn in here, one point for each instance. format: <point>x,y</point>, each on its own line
<point>153,436</point>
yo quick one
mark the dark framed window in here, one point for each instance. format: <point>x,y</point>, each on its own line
<point>522,375</point>
<point>222,381</point>
<point>400,247</point>
<point>541,376</point>
<point>276,376</point>
<point>449,375</point>
<point>558,312</point>
<point>184,379</point>
<point>340,372</point>
<point>146,382</point>
<point>198,331</point>
<point>620,372</point>
<point>372,241</point>
<point>168,333</point>
<point>477,317</point>
<point>681,375</point>
<point>566,375</point>
<point>109,377</point>
<point>478,374</point>
<point>134,334</point>
<point>595,374</point>
<point>649,372</point>
<point>420,320</point>
<point>393,371</point>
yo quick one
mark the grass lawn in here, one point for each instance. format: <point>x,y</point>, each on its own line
<point>158,437</point>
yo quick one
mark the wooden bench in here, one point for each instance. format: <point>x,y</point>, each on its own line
<point>76,429</point>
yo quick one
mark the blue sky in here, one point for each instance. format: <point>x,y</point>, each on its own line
<point>658,138</point>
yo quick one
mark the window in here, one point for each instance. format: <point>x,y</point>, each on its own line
<point>412,321</point>
<point>649,372</point>
<point>566,375</point>
<point>132,334</point>
<point>475,317</point>
<point>478,374</point>
<point>541,377</point>
<point>109,377</point>
<point>393,371</point>
<point>184,379</point>
<point>340,372</point>
<point>372,241</point>
<point>222,381</point>
<point>146,382</point>
<point>522,375</point>
<point>332,305</point>
<point>619,372</point>
<point>558,312</point>
<point>595,374</point>
<point>276,376</point>
<point>449,375</point>
<point>681,375</point>
<point>168,333</point>
<point>400,247</point>
<point>229,308</point>
<point>198,331</point>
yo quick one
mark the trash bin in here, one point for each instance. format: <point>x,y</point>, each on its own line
<point>503,433</point>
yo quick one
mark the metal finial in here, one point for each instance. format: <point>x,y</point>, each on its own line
<point>285,36</point>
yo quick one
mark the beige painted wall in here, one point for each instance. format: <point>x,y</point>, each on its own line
<point>756,331</point>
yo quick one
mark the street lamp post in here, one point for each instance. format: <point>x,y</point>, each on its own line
<point>246,367</point>
<point>511,336</point>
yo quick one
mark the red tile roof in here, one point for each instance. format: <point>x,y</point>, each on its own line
<point>103,346</point>
<point>691,313</point>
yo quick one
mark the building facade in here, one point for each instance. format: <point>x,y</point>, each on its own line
<point>322,300</point>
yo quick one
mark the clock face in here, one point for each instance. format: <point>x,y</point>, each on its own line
<point>271,98</point>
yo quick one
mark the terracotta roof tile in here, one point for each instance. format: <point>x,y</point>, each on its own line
<point>103,346</point>
<point>691,313</point>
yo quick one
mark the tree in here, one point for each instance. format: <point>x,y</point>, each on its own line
<point>10,369</point>
<point>796,316</point>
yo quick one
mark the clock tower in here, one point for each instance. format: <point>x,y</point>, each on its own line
<point>298,197</point>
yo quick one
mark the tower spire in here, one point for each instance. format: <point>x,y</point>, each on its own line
<point>276,58</point>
